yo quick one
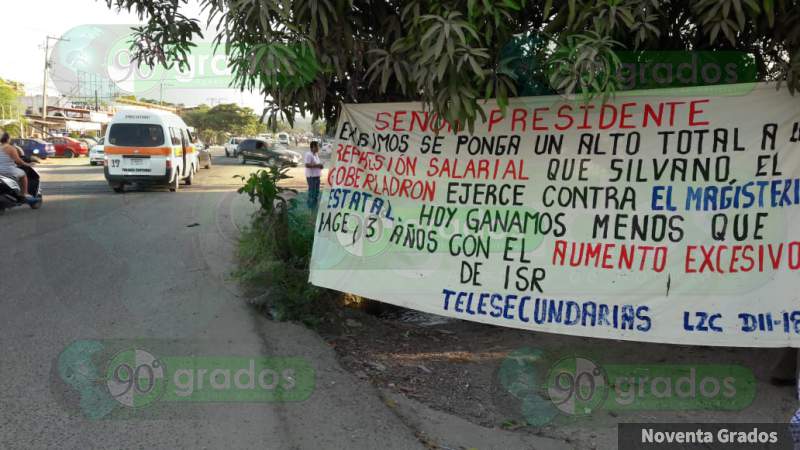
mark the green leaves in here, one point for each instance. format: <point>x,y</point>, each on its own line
<point>166,38</point>
<point>585,64</point>
<point>729,17</point>
<point>307,57</point>
<point>769,10</point>
<point>225,118</point>
<point>262,187</point>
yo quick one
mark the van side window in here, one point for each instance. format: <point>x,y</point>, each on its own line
<point>176,136</point>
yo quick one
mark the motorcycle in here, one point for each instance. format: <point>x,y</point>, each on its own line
<point>11,195</point>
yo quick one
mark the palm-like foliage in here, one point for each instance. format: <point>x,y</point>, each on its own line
<point>309,56</point>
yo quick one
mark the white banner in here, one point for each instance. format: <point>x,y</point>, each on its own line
<point>663,216</point>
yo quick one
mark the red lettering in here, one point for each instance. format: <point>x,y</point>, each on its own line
<point>560,251</point>
<point>378,120</point>
<point>416,118</point>
<point>494,118</point>
<point>693,110</point>
<point>706,259</point>
<point>398,122</point>
<point>561,115</point>
<point>672,108</point>
<point>537,119</point>
<point>649,112</point>
<point>625,115</point>
<point>689,259</point>
<point>586,109</point>
<point>603,109</point>
<point>518,116</point>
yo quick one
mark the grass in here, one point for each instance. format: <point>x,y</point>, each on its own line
<point>274,254</point>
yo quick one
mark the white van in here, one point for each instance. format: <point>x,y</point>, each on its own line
<point>148,147</point>
<point>283,138</point>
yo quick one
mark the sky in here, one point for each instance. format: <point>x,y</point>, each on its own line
<point>30,21</point>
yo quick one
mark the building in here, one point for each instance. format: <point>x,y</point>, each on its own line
<point>66,117</point>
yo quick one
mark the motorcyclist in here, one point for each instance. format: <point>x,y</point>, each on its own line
<point>10,162</point>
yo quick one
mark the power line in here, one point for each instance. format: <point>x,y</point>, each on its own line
<point>47,66</point>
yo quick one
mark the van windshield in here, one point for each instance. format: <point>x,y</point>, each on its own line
<point>136,135</point>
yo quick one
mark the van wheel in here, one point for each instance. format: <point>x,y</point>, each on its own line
<point>227,153</point>
<point>118,188</point>
<point>173,186</point>
<point>242,159</point>
<point>190,179</point>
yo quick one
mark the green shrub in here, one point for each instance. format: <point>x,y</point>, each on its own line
<point>275,251</point>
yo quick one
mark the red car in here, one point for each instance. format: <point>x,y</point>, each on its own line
<point>68,147</point>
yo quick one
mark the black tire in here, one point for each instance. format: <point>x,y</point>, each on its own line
<point>92,163</point>
<point>190,179</point>
<point>227,153</point>
<point>68,154</point>
<point>242,159</point>
<point>118,188</point>
<point>173,186</point>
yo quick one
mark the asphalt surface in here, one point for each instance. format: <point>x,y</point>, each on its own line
<point>151,270</point>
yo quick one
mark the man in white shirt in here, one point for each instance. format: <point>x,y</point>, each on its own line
<point>313,172</point>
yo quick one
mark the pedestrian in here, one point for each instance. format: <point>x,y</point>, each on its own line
<point>10,163</point>
<point>313,173</point>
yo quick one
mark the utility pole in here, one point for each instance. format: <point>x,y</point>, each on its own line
<point>47,66</point>
<point>161,91</point>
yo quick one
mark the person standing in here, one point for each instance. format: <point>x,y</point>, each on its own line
<point>313,173</point>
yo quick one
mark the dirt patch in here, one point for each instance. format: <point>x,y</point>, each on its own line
<point>475,371</point>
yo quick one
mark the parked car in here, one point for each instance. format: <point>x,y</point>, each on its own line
<point>35,147</point>
<point>68,147</point>
<point>295,156</point>
<point>89,141</point>
<point>203,152</point>
<point>97,154</point>
<point>232,146</point>
<point>325,148</point>
<point>266,153</point>
<point>204,157</point>
<point>283,138</point>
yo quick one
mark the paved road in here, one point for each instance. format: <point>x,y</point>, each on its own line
<point>151,269</point>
